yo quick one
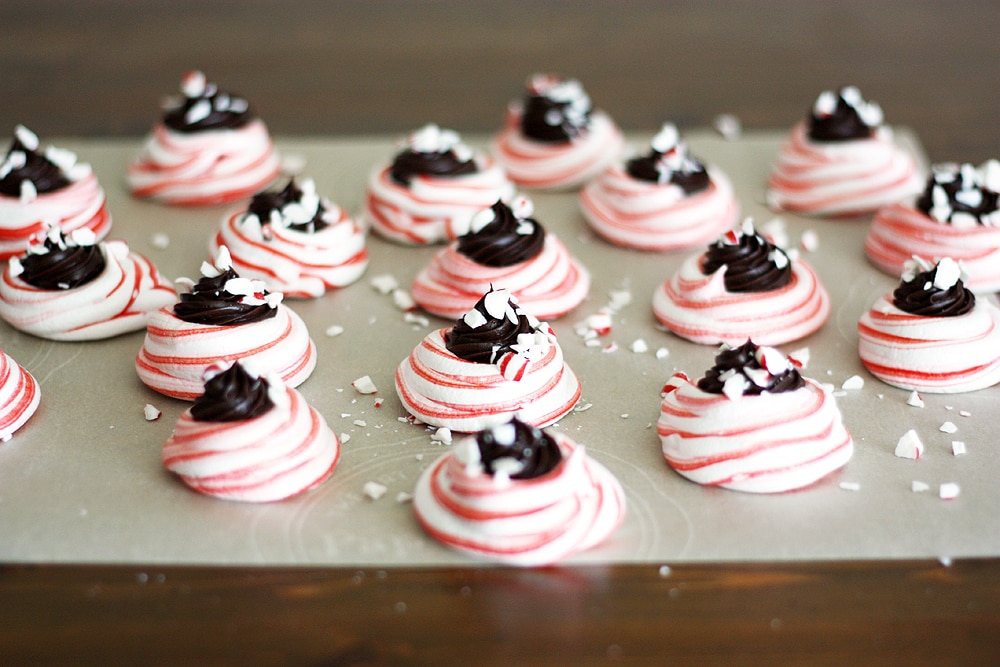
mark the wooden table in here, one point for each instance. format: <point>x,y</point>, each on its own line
<point>99,69</point>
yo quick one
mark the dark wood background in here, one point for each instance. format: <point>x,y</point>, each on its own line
<point>99,68</point>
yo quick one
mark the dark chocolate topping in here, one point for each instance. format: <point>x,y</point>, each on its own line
<point>752,265</point>
<point>205,107</point>
<point>555,121</point>
<point>489,341</point>
<point>506,241</point>
<point>274,200</point>
<point>919,296</point>
<point>64,266</point>
<point>975,199</point>
<point>741,360</point>
<point>844,123</point>
<point>42,172</point>
<point>537,452</point>
<point>691,178</point>
<point>447,163</point>
<point>209,303</point>
<point>232,395</point>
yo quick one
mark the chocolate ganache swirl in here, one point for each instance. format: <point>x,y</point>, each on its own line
<point>433,151</point>
<point>844,120</point>
<point>482,336</point>
<point>25,164</point>
<point>954,189</point>
<point>690,176</point>
<point>920,296</point>
<point>753,264</point>
<point>530,451</point>
<point>205,107</point>
<point>209,303</point>
<point>61,265</point>
<point>263,203</point>
<point>232,395</point>
<point>745,360</point>
<point>505,241</point>
<point>555,111</point>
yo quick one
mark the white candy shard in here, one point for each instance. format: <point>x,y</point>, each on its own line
<point>639,346</point>
<point>909,446</point>
<point>809,241</point>
<point>919,487</point>
<point>662,353</point>
<point>915,400</point>
<point>151,412</point>
<point>957,447</point>
<point>384,283</point>
<point>850,486</point>
<point>374,490</point>
<point>853,382</point>
<point>442,435</point>
<point>948,491</point>
<point>364,385</point>
<point>948,427</point>
<point>334,330</point>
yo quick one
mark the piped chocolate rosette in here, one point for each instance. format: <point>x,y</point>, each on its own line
<point>517,495</point>
<point>752,423</point>
<point>742,286</point>
<point>553,139</point>
<point>505,246</point>
<point>431,189</point>
<point>250,438</point>
<point>209,148</point>
<point>956,216</point>
<point>297,242</point>
<point>69,287</point>
<point>663,200</point>
<point>223,317</point>
<point>44,188</point>
<point>19,396</point>
<point>496,362</point>
<point>842,161</point>
<point>931,334</point>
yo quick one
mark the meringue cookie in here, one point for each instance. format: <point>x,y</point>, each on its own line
<point>19,396</point>
<point>523,520</point>
<point>209,149</point>
<point>430,191</point>
<point>552,140</point>
<point>300,258</point>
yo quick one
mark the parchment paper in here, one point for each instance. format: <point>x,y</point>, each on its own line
<point>82,482</point>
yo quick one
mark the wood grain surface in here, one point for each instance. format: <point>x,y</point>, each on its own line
<point>100,68</point>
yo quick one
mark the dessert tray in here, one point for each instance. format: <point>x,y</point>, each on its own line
<point>83,482</point>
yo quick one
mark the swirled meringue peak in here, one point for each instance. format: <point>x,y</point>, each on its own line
<point>553,139</point>
<point>742,286</point>
<point>752,424</point>
<point>495,362</point>
<point>19,396</point>
<point>506,246</point>
<point>842,161</point>
<point>223,317</point>
<point>299,243</point>
<point>40,189</point>
<point>931,334</point>
<point>956,216</point>
<point>431,189</point>
<point>517,495</point>
<point>70,287</point>
<point>209,148</point>
<point>250,438</point>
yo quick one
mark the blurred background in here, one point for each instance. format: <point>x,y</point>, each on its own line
<point>101,67</point>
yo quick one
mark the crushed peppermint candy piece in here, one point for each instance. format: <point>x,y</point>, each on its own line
<point>151,412</point>
<point>402,299</point>
<point>728,125</point>
<point>964,413</point>
<point>799,357</point>
<point>403,497</point>
<point>344,437</point>
<point>949,491</point>
<point>416,319</point>
<point>619,298</point>
<point>850,486</point>
<point>360,422</point>
<point>582,407</point>
<point>915,400</point>
<point>374,490</point>
<point>909,446</point>
<point>662,353</point>
<point>334,330</point>
<point>639,346</point>
<point>809,241</point>
<point>364,385</point>
<point>378,402</point>
<point>919,487</point>
<point>853,382</point>
<point>610,347</point>
<point>948,427</point>
<point>442,435</point>
<point>957,447</point>
<point>160,241</point>
<point>384,283</point>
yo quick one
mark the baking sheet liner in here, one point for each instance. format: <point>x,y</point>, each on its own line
<point>82,481</point>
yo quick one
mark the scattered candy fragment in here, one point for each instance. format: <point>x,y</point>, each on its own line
<point>853,382</point>
<point>150,412</point>
<point>948,427</point>
<point>919,487</point>
<point>850,486</point>
<point>384,283</point>
<point>957,447</point>
<point>909,446</point>
<point>364,385</point>
<point>334,330</point>
<point>915,400</point>
<point>948,491</point>
<point>374,490</point>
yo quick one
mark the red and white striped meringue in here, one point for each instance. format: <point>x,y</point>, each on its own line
<point>699,308</point>
<point>652,216</point>
<point>175,354</point>
<point>901,231</point>
<point>283,452</point>
<point>299,264</point>
<point>432,209</point>
<point>218,166</point>
<point>768,443</point>
<point>550,166</point>
<point>841,178</point>
<point>439,388</point>
<point>19,396</point>
<point>526,523</point>
<point>81,204</point>
<point>119,300</point>
<point>548,285</point>
<point>943,355</point>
